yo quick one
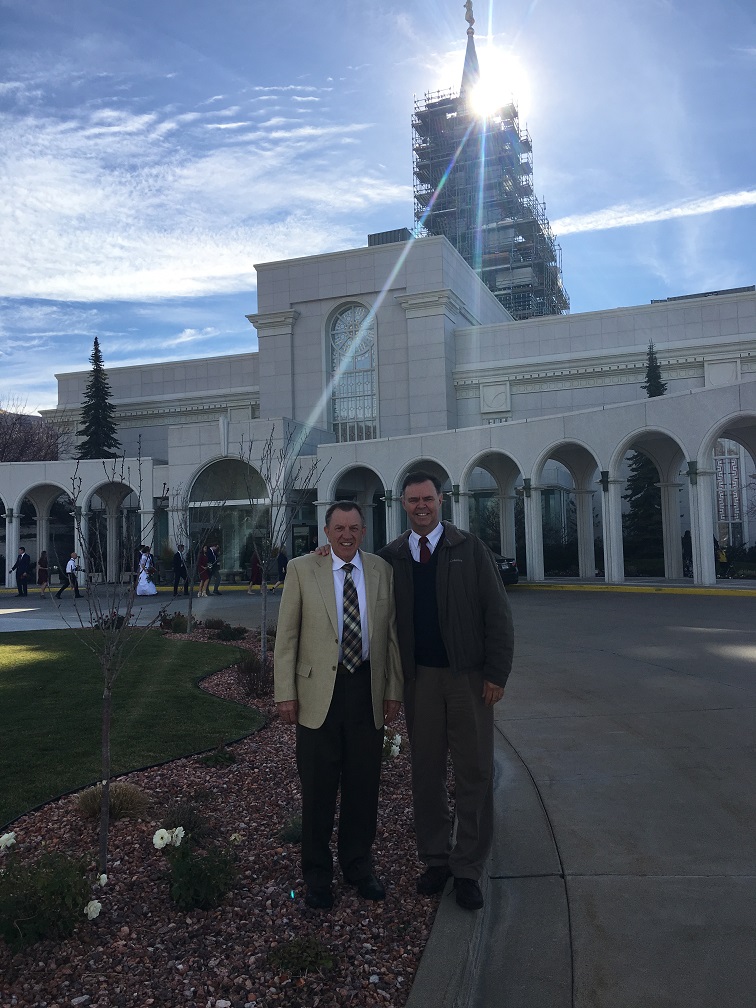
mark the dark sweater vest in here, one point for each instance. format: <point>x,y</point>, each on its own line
<point>429,645</point>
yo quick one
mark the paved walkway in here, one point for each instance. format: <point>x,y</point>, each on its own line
<point>624,868</point>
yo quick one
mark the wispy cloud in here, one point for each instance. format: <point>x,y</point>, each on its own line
<point>623,215</point>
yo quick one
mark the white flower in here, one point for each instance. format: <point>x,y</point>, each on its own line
<point>178,835</point>
<point>161,838</point>
<point>7,840</point>
<point>92,909</point>
<point>235,838</point>
<point>102,880</point>
<point>394,750</point>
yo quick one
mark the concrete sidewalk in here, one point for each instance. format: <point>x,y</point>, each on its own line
<point>624,868</point>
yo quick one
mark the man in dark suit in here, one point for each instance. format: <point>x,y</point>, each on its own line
<point>214,568</point>
<point>22,567</point>
<point>179,570</point>
<point>338,679</point>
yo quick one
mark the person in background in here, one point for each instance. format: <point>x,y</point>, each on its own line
<point>43,574</point>
<point>255,575</point>
<point>180,572</point>
<point>72,570</point>
<point>214,566</point>
<point>22,567</point>
<point>203,572</point>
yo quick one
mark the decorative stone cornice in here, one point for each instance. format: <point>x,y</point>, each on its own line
<point>438,302</point>
<point>274,323</point>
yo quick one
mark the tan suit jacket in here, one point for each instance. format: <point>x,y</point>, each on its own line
<point>307,637</point>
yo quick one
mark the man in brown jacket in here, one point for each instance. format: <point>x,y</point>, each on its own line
<point>456,643</point>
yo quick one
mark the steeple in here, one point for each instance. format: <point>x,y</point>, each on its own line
<point>471,72</point>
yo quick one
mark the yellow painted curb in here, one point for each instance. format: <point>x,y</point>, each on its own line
<point>635,589</point>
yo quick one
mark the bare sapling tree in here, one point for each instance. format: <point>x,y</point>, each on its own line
<point>26,437</point>
<point>106,622</point>
<point>195,525</point>
<point>288,477</point>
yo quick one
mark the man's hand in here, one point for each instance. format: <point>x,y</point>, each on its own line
<point>323,550</point>
<point>287,711</point>
<point>491,693</point>
<point>391,709</point>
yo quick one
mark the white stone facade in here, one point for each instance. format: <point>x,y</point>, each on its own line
<point>459,388</point>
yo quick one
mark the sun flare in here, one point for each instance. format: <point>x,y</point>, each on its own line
<point>502,79</point>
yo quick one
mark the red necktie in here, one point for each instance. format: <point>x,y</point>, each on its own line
<point>425,553</point>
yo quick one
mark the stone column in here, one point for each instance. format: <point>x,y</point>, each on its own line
<point>586,546</point>
<point>460,509</point>
<point>146,527</point>
<point>507,541</point>
<point>670,508</point>
<point>278,367</point>
<point>611,512</point>
<point>393,518</point>
<point>12,532</point>
<point>702,526</point>
<point>534,534</point>
<point>111,543</point>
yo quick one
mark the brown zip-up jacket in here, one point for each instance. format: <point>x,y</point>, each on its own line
<point>473,609</point>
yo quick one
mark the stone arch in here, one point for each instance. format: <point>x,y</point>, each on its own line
<point>491,513</point>
<point>572,514</point>
<point>663,447</point>
<point>228,504</point>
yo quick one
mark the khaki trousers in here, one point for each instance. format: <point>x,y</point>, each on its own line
<point>446,715</point>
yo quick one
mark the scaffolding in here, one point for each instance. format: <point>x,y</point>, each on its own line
<point>474,184</point>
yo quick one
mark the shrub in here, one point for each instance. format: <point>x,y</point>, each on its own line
<point>126,801</point>
<point>110,621</point>
<point>229,633</point>
<point>45,899</point>
<point>300,956</point>
<point>178,623</point>
<point>199,880</point>
<point>291,831</point>
<point>215,624</point>
<point>187,815</point>
<point>250,673</point>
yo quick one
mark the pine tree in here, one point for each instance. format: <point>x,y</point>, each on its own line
<point>97,427</point>
<point>643,519</point>
<point>653,384</point>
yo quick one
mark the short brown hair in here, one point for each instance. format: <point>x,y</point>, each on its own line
<point>420,477</point>
<point>344,505</point>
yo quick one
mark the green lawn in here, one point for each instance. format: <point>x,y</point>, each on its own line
<point>50,712</point>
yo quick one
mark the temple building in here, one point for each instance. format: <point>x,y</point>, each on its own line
<point>448,352</point>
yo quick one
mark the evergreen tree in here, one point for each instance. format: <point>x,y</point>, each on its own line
<point>653,384</point>
<point>97,427</point>
<point>643,520</point>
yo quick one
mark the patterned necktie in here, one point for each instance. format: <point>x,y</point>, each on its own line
<point>425,553</point>
<point>351,634</point>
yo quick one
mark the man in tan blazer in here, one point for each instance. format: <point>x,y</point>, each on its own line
<point>338,679</point>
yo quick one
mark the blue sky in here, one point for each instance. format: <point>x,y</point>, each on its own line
<point>151,153</point>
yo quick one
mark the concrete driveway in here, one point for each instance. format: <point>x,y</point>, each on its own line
<point>624,868</point>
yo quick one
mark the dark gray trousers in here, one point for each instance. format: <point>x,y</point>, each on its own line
<point>446,714</point>
<point>344,753</point>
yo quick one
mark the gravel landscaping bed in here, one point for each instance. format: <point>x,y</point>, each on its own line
<point>142,950</point>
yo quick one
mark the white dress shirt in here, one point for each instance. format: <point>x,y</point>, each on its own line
<point>414,541</point>
<point>358,577</point>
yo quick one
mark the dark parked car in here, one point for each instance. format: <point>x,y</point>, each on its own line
<point>507,567</point>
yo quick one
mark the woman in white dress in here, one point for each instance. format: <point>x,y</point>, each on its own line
<point>145,584</point>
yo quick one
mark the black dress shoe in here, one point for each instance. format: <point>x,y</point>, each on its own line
<point>369,888</point>
<point>469,896</point>
<point>320,898</point>
<point>433,880</point>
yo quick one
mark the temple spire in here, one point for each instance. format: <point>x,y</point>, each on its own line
<point>471,72</point>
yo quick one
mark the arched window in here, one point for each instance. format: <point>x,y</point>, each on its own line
<point>353,398</point>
